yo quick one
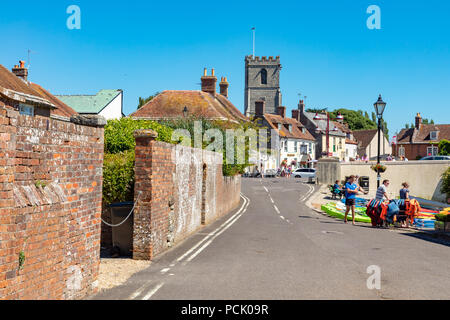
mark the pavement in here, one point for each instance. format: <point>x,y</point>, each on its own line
<point>275,246</point>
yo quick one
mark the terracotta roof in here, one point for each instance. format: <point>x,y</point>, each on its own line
<point>348,141</point>
<point>61,108</point>
<point>274,119</point>
<point>170,105</point>
<point>422,135</point>
<point>17,89</point>
<point>364,136</point>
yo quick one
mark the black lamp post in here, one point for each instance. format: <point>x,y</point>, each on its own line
<point>379,109</point>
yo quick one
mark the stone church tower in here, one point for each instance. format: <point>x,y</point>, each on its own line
<point>262,82</point>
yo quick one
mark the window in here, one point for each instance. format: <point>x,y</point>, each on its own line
<point>432,151</point>
<point>295,146</point>
<point>285,146</point>
<point>279,127</point>
<point>433,135</point>
<point>290,128</point>
<point>304,149</point>
<point>303,130</point>
<point>263,76</point>
<point>26,109</point>
<point>401,151</point>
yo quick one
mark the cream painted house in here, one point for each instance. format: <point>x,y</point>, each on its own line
<point>368,143</point>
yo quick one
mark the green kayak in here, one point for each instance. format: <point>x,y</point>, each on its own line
<point>337,212</point>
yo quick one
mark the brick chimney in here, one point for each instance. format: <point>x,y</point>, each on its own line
<point>260,108</point>
<point>281,111</point>
<point>209,82</point>
<point>301,107</point>
<point>418,120</point>
<point>20,70</point>
<point>296,114</point>
<point>224,87</point>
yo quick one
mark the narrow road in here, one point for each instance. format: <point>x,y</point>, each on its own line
<point>274,247</point>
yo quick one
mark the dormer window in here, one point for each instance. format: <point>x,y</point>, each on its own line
<point>290,128</point>
<point>26,109</point>
<point>303,130</point>
<point>433,135</point>
<point>279,126</point>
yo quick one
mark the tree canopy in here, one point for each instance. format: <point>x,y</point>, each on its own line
<point>143,101</point>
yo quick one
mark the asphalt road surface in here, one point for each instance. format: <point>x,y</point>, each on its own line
<point>274,247</point>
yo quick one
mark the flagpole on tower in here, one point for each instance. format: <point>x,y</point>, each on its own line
<point>254,35</point>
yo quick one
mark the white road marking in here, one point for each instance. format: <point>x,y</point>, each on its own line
<point>152,292</point>
<point>282,217</point>
<point>137,293</point>
<point>214,232</point>
<point>272,200</point>
<point>165,270</point>
<point>218,234</point>
<point>266,189</point>
<point>277,210</point>
<point>306,196</point>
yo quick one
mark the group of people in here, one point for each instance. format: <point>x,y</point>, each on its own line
<point>352,188</point>
<point>389,157</point>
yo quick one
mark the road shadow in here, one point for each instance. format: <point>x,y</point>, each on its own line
<point>430,236</point>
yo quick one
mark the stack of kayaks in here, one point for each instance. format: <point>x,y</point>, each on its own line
<point>425,219</point>
<point>424,223</point>
<point>360,202</point>
<point>337,210</point>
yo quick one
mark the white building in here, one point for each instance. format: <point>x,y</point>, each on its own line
<point>295,146</point>
<point>107,103</point>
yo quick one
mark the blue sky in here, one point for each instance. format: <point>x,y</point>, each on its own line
<point>326,49</point>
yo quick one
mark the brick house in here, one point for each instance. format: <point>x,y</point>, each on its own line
<point>422,140</point>
<point>205,103</point>
<point>51,162</point>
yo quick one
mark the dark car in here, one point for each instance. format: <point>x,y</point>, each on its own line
<point>436,158</point>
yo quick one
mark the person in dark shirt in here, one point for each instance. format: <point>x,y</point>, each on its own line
<point>404,192</point>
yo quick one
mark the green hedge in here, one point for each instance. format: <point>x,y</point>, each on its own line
<point>119,133</point>
<point>446,182</point>
<point>118,167</point>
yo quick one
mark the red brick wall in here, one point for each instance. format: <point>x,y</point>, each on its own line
<point>50,207</point>
<point>180,189</point>
<point>413,151</point>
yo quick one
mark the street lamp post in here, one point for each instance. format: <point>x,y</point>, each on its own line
<point>317,118</point>
<point>380,105</point>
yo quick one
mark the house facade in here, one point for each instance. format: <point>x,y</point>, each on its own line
<point>368,143</point>
<point>290,141</point>
<point>106,103</point>
<point>422,140</point>
<point>337,134</point>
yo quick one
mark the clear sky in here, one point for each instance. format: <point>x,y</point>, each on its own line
<point>326,49</point>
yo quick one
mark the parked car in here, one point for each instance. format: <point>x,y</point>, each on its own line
<point>270,173</point>
<point>436,158</point>
<point>304,173</point>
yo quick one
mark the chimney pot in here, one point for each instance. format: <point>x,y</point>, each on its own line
<point>212,72</point>
<point>20,70</point>
<point>224,87</point>
<point>209,82</point>
<point>418,120</point>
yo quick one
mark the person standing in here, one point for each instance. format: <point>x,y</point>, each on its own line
<point>382,192</point>
<point>351,190</point>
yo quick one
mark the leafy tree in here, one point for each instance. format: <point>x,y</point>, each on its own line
<point>316,110</point>
<point>407,126</point>
<point>444,148</point>
<point>366,115</point>
<point>144,101</point>
<point>446,182</point>
<point>374,117</point>
<point>355,119</point>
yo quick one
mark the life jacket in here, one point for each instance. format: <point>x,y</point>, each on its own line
<point>413,209</point>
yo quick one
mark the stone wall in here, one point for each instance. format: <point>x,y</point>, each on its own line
<point>178,189</point>
<point>50,206</point>
<point>424,177</point>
